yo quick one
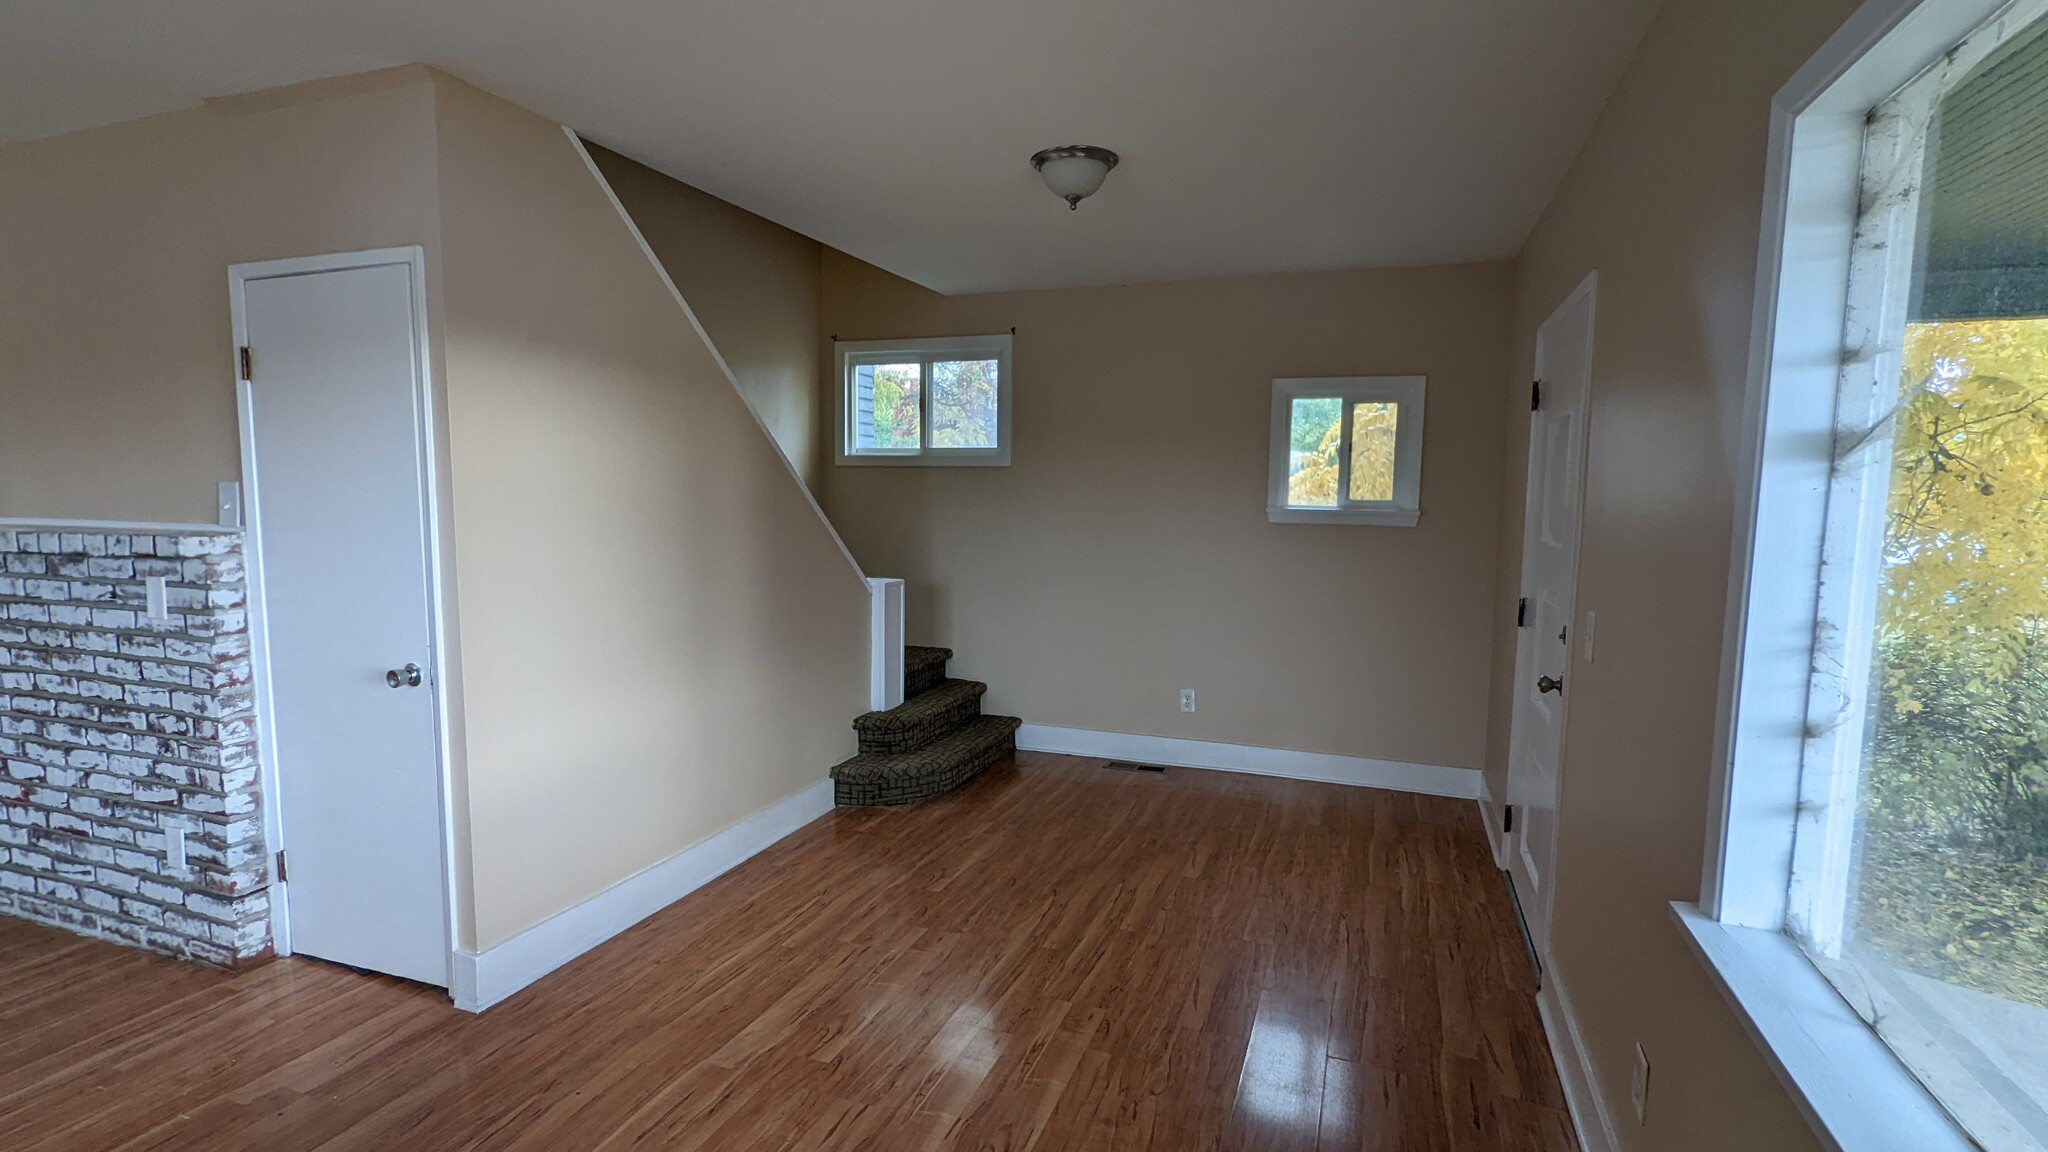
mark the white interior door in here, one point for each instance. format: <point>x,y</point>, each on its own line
<point>1550,559</point>
<point>338,494</point>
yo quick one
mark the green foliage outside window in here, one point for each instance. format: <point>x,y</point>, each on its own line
<point>964,400</point>
<point>897,401</point>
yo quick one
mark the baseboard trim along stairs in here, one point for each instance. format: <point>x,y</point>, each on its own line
<point>481,979</point>
<point>932,743</point>
<point>1357,771</point>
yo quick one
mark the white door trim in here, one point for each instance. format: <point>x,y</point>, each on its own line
<point>239,275</point>
<point>1515,843</point>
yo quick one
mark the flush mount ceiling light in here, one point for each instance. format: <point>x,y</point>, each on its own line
<point>1074,171</point>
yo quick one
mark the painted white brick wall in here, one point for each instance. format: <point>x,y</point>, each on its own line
<point>117,728</point>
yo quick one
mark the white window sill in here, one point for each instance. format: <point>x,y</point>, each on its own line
<point>957,458</point>
<point>1384,517</point>
<point>1852,1089</point>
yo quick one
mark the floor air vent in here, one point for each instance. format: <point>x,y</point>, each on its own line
<point>1134,766</point>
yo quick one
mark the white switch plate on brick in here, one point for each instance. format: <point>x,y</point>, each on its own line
<point>1187,699</point>
<point>159,597</point>
<point>174,849</point>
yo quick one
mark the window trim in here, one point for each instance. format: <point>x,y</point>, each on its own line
<point>995,347</point>
<point>1806,245</point>
<point>1405,508</point>
<point>1846,1081</point>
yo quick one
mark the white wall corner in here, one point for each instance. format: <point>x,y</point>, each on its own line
<point>481,979</point>
<point>1357,771</point>
<point>1575,1071</point>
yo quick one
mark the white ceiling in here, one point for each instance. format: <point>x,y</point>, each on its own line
<point>1257,135</point>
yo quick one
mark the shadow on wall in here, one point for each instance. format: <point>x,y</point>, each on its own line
<point>597,447</point>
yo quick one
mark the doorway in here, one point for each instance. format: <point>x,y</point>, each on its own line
<point>1550,562</point>
<point>337,464</point>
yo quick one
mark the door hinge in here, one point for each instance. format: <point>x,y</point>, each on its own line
<point>1522,613</point>
<point>1535,390</point>
<point>244,356</point>
<point>1507,820</point>
<point>280,866</point>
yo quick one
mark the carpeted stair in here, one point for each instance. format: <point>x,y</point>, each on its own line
<point>932,743</point>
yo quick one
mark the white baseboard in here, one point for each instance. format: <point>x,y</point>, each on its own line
<point>1428,779</point>
<point>1489,815</point>
<point>1575,1068</point>
<point>481,979</point>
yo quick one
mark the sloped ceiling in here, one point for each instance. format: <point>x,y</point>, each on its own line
<point>1257,135</point>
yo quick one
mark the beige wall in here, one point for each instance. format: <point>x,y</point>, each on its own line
<point>1665,202</point>
<point>659,635</point>
<point>1125,554</point>
<point>117,395</point>
<point>753,285</point>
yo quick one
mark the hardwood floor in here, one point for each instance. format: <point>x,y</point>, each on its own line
<point>1060,956</point>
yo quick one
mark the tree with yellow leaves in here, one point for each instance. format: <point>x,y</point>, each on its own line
<point>1961,736</point>
<point>1317,439</point>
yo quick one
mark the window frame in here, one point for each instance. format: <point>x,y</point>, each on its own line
<point>1406,391</point>
<point>1854,1090</point>
<point>850,354</point>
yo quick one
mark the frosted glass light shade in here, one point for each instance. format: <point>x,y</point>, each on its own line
<point>1075,171</point>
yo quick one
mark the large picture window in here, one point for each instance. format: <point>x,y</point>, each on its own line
<point>1919,864</point>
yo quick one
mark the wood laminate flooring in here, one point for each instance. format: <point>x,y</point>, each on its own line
<point>1060,956</point>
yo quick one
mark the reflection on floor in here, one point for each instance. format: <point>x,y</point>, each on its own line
<point>1058,957</point>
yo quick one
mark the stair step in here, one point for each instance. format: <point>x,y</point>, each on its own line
<point>920,719</point>
<point>923,668</point>
<point>933,770</point>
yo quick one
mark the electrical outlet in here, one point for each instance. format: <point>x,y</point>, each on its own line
<point>1187,699</point>
<point>1639,1083</point>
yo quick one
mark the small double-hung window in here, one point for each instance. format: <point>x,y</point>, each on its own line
<point>1346,450</point>
<point>925,402</point>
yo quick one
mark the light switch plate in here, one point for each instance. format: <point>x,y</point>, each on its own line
<point>1586,639</point>
<point>158,594</point>
<point>230,505</point>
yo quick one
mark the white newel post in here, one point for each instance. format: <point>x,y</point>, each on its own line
<point>885,637</point>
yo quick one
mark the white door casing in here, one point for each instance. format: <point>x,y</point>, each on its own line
<point>336,463</point>
<point>1550,557</point>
